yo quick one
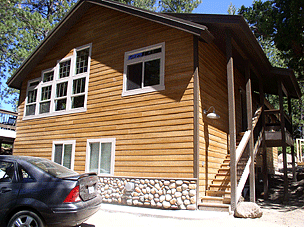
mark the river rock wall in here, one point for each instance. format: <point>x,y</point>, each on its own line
<point>155,193</point>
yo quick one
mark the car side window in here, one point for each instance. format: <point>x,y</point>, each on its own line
<point>7,171</point>
<point>25,176</point>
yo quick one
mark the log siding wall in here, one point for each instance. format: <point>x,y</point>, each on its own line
<point>153,131</point>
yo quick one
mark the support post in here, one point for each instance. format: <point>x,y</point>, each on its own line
<point>196,154</point>
<point>265,169</point>
<point>294,178</point>
<point>292,147</point>
<point>232,123</point>
<point>251,140</point>
<point>280,89</point>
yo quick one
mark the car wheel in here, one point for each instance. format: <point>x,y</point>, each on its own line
<point>25,218</point>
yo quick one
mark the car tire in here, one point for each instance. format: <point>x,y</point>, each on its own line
<point>25,218</point>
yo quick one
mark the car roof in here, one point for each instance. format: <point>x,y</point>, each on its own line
<point>13,157</point>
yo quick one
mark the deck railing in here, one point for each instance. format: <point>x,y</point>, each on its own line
<point>8,120</point>
<point>274,120</point>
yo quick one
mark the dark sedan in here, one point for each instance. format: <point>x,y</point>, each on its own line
<point>36,192</point>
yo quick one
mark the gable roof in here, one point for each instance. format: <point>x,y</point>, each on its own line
<point>78,10</point>
<point>208,27</point>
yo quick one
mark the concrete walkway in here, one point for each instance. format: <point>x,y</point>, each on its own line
<point>125,216</point>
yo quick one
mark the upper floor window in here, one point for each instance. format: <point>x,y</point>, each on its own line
<point>62,89</point>
<point>144,70</point>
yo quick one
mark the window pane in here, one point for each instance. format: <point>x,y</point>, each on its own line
<point>152,73</point>
<point>105,158</point>
<point>67,156</point>
<point>31,96</point>
<point>7,171</point>
<point>46,93</point>
<point>82,61</point>
<point>48,76</point>
<point>134,76</point>
<point>64,69</point>
<point>34,84</point>
<point>60,104</point>
<point>61,90</point>
<point>58,153</point>
<point>79,85</point>
<point>30,109</point>
<point>78,101</point>
<point>45,107</point>
<point>94,154</point>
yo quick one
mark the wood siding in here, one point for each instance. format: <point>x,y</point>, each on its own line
<point>214,144</point>
<point>153,131</point>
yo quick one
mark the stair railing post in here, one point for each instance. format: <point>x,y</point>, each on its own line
<point>232,123</point>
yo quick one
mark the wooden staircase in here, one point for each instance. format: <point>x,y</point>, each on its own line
<point>218,194</point>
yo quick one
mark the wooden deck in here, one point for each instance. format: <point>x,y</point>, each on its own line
<point>7,126</point>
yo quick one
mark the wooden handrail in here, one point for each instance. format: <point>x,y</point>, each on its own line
<point>246,171</point>
<point>272,111</point>
<point>256,117</point>
<point>240,149</point>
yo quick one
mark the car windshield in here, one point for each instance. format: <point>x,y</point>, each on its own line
<point>52,168</point>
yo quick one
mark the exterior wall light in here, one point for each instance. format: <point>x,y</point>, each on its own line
<point>211,115</point>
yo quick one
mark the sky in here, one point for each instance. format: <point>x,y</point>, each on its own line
<point>220,6</point>
<point>207,7</point>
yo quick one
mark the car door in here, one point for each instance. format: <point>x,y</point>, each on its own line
<point>9,186</point>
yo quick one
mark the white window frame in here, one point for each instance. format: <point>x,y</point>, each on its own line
<point>46,84</point>
<point>56,80</point>
<point>32,88</point>
<point>161,56</point>
<point>102,140</point>
<point>65,142</point>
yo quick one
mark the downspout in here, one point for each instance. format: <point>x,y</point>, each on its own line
<point>196,117</point>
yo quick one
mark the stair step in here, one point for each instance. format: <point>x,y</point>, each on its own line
<point>224,188</point>
<point>221,182</point>
<point>225,165</point>
<point>224,194</point>
<point>224,170</point>
<point>222,177</point>
<point>214,207</point>
<point>212,199</point>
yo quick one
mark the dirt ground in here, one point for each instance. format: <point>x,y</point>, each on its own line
<point>284,212</point>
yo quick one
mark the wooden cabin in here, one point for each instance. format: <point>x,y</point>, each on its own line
<point>128,93</point>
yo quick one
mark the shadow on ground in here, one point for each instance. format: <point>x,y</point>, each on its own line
<point>276,195</point>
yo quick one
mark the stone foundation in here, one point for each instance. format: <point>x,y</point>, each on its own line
<point>155,193</point>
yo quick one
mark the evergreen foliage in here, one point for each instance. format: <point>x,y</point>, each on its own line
<point>279,28</point>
